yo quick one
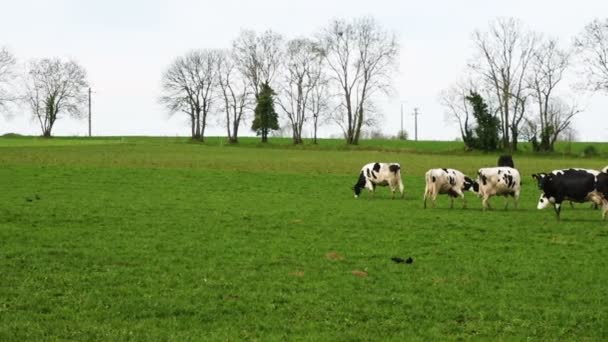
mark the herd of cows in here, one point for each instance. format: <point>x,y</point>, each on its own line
<point>573,184</point>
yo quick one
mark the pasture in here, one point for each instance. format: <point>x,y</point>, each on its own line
<point>163,239</point>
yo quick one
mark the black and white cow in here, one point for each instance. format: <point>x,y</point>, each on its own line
<point>500,181</point>
<point>383,174</point>
<point>560,171</point>
<point>447,181</point>
<point>575,185</point>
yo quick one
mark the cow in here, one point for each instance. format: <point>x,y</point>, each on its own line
<point>506,160</point>
<point>500,181</point>
<point>447,181</point>
<point>559,171</point>
<point>383,174</point>
<point>575,185</point>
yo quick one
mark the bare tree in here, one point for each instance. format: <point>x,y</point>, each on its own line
<point>320,102</point>
<point>301,74</point>
<point>592,47</point>
<point>54,87</point>
<point>188,86</point>
<point>560,118</point>
<point>548,66</point>
<point>258,57</point>
<point>505,51</point>
<point>457,107</point>
<point>236,92</point>
<point>360,56</point>
<point>7,76</point>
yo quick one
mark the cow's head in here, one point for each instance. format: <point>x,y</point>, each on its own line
<point>545,201</point>
<point>541,179</point>
<point>470,185</point>
<point>360,185</point>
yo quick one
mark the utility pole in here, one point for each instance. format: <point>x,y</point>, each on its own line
<point>401,131</point>
<point>415,114</point>
<point>89,111</point>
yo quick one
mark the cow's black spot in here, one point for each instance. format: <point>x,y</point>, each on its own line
<point>508,180</point>
<point>377,167</point>
<point>484,179</point>
<point>433,179</point>
<point>451,180</point>
<point>369,174</point>
<point>394,168</point>
<point>445,170</point>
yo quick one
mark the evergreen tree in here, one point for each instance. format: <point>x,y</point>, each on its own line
<point>488,126</point>
<point>266,118</point>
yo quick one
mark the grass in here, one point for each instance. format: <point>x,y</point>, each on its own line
<point>163,239</point>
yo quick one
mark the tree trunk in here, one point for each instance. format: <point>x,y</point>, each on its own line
<point>235,129</point>
<point>314,138</point>
<point>514,135</point>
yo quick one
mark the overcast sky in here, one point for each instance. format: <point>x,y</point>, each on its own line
<point>125,46</point>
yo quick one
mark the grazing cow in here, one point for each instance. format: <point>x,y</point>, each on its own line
<point>506,160</point>
<point>500,181</point>
<point>447,181</point>
<point>575,185</point>
<point>382,174</point>
<point>559,171</point>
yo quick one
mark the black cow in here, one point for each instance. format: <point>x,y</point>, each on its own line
<point>506,160</point>
<point>573,185</point>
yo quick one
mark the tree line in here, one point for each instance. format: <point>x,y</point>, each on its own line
<point>509,91</point>
<point>510,88</point>
<point>333,76</point>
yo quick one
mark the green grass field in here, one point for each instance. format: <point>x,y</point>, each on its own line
<point>164,239</point>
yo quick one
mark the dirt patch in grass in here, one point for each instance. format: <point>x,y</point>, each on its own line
<point>334,256</point>
<point>359,273</point>
<point>297,274</point>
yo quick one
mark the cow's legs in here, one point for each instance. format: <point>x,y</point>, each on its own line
<point>464,201</point>
<point>485,202</point>
<point>401,188</point>
<point>516,200</point>
<point>558,208</point>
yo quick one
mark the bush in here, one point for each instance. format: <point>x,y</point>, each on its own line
<point>402,135</point>
<point>590,151</point>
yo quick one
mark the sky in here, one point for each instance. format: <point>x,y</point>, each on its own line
<point>126,45</point>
